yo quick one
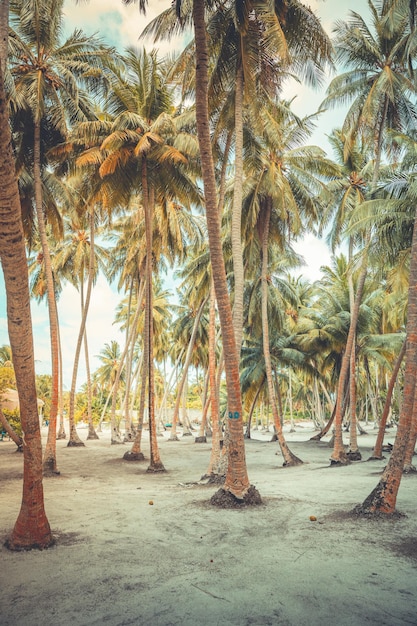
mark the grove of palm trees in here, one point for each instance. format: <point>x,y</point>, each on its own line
<point>244,453</point>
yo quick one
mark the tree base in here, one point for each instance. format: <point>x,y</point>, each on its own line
<point>17,547</point>
<point>274,438</point>
<point>354,455</point>
<point>377,458</point>
<point>226,500</point>
<point>174,438</point>
<point>187,434</point>
<point>410,469</point>
<point>75,444</point>
<point>133,456</point>
<point>202,439</point>
<point>341,461</point>
<point>293,461</point>
<point>158,468</point>
<point>92,435</point>
<point>50,473</point>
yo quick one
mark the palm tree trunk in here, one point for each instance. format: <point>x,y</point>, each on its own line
<point>384,497</point>
<point>91,430</point>
<point>115,437</point>
<point>155,463</point>
<point>49,458</point>
<point>31,529</point>
<point>377,453</point>
<point>236,230</point>
<point>183,379</point>
<point>289,458</point>
<point>214,462</point>
<point>252,408</point>
<point>237,480</point>
<point>61,427</point>
<point>74,439</point>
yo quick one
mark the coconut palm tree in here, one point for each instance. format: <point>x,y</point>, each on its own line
<point>47,75</point>
<point>31,529</point>
<point>80,259</point>
<point>378,85</point>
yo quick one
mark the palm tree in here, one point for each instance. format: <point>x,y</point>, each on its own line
<point>283,188</point>
<point>378,84</point>
<point>31,529</point>
<point>79,259</point>
<point>237,481</point>
<point>46,77</point>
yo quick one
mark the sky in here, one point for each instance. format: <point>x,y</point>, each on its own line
<point>121,26</point>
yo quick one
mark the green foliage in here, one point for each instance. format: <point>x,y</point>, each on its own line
<point>7,378</point>
<point>13,417</point>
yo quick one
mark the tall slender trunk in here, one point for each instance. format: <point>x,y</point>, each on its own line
<point>214,462</point>
<point>237,480</point>
<point>339,456</point>
<point>183,379</point>
<point>61,427</point>
<point>31,529</point>
<point>115,436</point>
<point>74,439</point>
<point>155,463</point>
<point>289,458</point>
<point>49,458</point>
<point>91,430</point>
<point>236,230</point>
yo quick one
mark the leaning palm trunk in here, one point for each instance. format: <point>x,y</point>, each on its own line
<point>188,357</point>
<point>377,453</point>
<point>384,497</point>
<point>74,439</point>
<point>289,457</point>
<point>237,480</point>
<point>339,456</point>
<point>49,458</point>
<point>115,435</point>
<point>31,529</point>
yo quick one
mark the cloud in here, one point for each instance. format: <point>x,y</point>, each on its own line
<point>315,253</point>
<point>117,24</point>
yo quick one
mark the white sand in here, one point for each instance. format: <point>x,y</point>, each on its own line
<point>119,560</point>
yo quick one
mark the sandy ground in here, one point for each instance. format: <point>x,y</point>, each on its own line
<point>120,560</point>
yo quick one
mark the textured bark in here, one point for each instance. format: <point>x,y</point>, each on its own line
<point>32,528</point>
<point>236,228</point>
<point>377,453</point>
<point>155,463</point>
<point>49,457</point>
<point>215,409</point>
<point>290,459</point>
<point>188,356</point>
<point>237,481</point>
